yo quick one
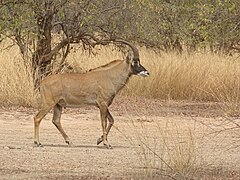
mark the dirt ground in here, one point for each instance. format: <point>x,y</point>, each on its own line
<point>145,136</point>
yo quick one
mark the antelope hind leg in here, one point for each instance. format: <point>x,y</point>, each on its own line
<point>57,122</point>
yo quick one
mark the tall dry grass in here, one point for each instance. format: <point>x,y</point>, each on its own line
<point>16,82</point>
<point>201,77</point>
<point>187,77</point>
<point>180,148</point>
<point>198,77</point>
<point>169,151</point>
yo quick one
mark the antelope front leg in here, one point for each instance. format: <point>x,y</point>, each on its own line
<point>37,120</point>
<point>104,114</point>
<point>111,122</point>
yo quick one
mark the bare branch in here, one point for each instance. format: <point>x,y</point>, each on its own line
<point>158,156</point>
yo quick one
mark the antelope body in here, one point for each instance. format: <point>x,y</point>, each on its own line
<point>97,87</point>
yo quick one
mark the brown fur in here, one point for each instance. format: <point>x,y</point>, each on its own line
<point>97,87</point>
<point>106,66</point>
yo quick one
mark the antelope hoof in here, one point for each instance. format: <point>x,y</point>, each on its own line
<point>99,140</point>
<point>70,144</point>
<point>36,144</point>
<point>108,146</point>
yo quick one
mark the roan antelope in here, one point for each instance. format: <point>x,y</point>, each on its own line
<point>96,87</point>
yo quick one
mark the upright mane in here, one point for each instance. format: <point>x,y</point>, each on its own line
<point>106,66</point>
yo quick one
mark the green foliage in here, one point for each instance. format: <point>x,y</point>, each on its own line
<point>169,25</point>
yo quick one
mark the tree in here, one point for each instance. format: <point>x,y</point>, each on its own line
<point>53,25</point>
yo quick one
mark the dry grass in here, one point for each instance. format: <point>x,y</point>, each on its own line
<point>16,83</point>
<point>183,148</point>
<point>198,77</point>
<point>179,77</point>
<point>194,77</point>
<point>169,151</point>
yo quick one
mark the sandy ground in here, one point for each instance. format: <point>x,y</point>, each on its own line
<point>195,140</point>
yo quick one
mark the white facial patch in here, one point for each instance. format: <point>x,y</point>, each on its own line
<point>143,73</point>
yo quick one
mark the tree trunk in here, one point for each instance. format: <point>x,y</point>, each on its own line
<point>42,56</point>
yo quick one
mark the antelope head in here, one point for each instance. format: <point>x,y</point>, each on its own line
<point>134,62</point>
<point>136,67</point>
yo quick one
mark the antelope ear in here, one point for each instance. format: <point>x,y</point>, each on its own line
<point>129,57</point>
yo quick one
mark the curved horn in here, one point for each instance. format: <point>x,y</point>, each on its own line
<point>134,49</point>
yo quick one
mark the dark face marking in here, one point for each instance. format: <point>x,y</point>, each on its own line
<point>138,69</point>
